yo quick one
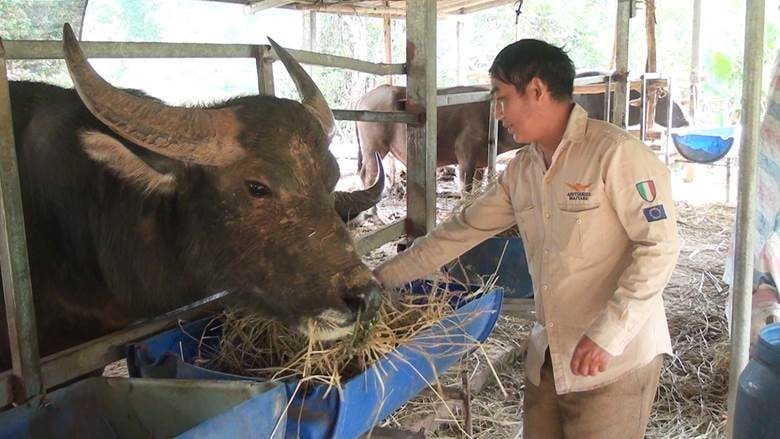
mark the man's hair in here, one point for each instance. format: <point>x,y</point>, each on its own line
<point>523,60</point>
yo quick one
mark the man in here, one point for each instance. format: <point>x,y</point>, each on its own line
<point>595,212</point>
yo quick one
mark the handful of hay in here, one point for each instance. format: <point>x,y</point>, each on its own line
<point>252,345</point>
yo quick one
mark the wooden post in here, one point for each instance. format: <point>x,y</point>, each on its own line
<point>744,238</point>
<point>492,141</point>
<point>695,60</point>
<point>459,51</point>
<point>620,108</point>
<point>17,287</point>
<point>310,33</point>
<point>650,67</point>
<point>421,97</point>
<point>265,70</point>
<point>388,34</point>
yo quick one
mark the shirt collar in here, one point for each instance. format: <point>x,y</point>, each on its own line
<point>575,127</point>
<point>574,132</point>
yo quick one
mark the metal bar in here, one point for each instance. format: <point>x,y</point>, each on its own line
<point>421,98</point>
<point>374,240</point>
<point>79,360</point>
<point>463,98</point>
<point>25,49</point>
<point>379,116</point>
<point>695,59</point>
<point>620,110</point>
<point>746,211</point>
<point>492,141</point>
<point>17,288</point>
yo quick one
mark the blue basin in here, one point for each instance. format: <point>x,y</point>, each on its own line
<point>363,400</point>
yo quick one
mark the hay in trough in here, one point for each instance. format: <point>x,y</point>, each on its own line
<point>252,345</point>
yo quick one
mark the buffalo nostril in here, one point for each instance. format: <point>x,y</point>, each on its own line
<point>356,302</point>
<point>364,303</point>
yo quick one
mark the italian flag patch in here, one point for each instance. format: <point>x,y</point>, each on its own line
<point>646,190</point>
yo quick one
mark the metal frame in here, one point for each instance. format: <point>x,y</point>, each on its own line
<point>30,376</point>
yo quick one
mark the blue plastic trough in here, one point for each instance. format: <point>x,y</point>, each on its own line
<point>363,400</point>
<point>149,408</point>
<point>704,145</point>
<point>504,256</point>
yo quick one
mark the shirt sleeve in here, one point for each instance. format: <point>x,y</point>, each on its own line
<point>489,214</point>
<point>638,187</point>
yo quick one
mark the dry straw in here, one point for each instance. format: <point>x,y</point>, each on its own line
<point>252,345</point>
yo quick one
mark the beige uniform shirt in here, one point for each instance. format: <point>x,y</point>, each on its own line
<point>600,234</point>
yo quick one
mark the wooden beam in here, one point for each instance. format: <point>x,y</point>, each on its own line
<point>24,49</point>
<point>421,98</point>
<point>462,98</point>
<point>459,52</point>
<point>695,60</point>
<point>388,37</point>
<point>17,287</point>
<point>492,141</point>
<point>82,359</point>
<point>651,66</point>
<point>374,240</point>
<point>620,107</point>
<point>262,5</point>
<point>379,116</point>
<point>265,71</point>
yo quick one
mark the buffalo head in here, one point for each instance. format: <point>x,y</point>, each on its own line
<point>248,194</point>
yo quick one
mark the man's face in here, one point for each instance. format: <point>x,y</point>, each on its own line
<point>517,111</point>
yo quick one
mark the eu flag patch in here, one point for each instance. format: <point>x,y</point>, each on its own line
<point>654,213</point>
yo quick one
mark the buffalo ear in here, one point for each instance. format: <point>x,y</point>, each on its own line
<point>112,154</point>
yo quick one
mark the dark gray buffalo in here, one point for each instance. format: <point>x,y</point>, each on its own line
<point>594,105</point>
<point>134,208</point>
<point>462,133</point>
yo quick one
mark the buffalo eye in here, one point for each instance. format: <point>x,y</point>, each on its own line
<point>257,189</point>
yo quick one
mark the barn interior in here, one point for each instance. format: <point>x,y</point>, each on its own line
<point>482,395</point>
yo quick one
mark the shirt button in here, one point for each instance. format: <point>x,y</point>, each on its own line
<point>579,221</point>
<point>546,251</point>
<point>551,325</point>
<point>546,287</point>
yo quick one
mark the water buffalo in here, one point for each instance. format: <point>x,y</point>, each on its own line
<point>133,207</point>
<point>594,105</point>
<point>462,133</point>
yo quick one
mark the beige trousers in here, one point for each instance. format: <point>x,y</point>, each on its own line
<point>619,410</point>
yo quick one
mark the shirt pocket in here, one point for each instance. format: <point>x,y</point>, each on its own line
<point>530,232</point>
<point>572,225</point>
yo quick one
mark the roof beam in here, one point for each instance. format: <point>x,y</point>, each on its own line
<point>262,5</point>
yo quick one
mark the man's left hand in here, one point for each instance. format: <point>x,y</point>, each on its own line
<point>589,358</point>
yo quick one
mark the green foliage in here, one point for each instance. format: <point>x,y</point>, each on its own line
<point>38,20</point>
